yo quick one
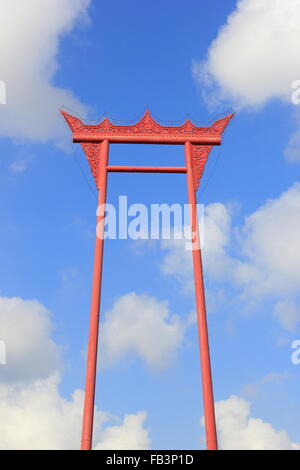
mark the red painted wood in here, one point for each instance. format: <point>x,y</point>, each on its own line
<point>147,131</point>
<point>88,413</point>
<point>146,169</point>
<point>207,389</point>
<point>150,139</point>
<point>198,142</point>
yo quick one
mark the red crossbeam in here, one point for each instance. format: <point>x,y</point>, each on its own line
<point>149,139</point>
<point>146,169</point>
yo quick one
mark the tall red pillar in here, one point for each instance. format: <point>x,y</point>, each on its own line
<point>207,389</point>
<point>88,413</point>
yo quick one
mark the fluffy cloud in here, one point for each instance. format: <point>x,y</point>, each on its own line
<point>177,262</point>
<point>255,58</point>
<point>269,243</point>
<point>216,230</point>
<point>129,435</point>
<point>25,328</point>
<point>34,415</point>
<point>238,430</point>
<point>142,325</point>
<point>266,259</point>
<point>30,32</point>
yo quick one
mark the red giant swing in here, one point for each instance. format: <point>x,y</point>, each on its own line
<point>197,142</point>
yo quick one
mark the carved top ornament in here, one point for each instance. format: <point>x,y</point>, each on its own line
<point>146,126</point>
<point>147,130</point>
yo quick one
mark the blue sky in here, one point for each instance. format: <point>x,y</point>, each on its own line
<point>117,58</point>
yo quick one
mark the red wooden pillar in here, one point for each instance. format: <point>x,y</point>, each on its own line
<point>207,389</point>
<point>89,400</point>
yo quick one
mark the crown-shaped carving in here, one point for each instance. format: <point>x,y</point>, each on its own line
<point>146,126</point>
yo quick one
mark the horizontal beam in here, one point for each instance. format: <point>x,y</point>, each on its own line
<point>150,139</point>
<point>146,169</point>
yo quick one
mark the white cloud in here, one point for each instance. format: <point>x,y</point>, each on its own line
<point>270,244</point>
<point>255,58</point>
<point>238,430</point>
<point>26,327</point>
<point>142,325</point>
<point>217,230</point>
<point>129,435</point>
<point>35,416</point>
<point>177,262</point>
<point>30,32</point>
<point>266,259</point>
